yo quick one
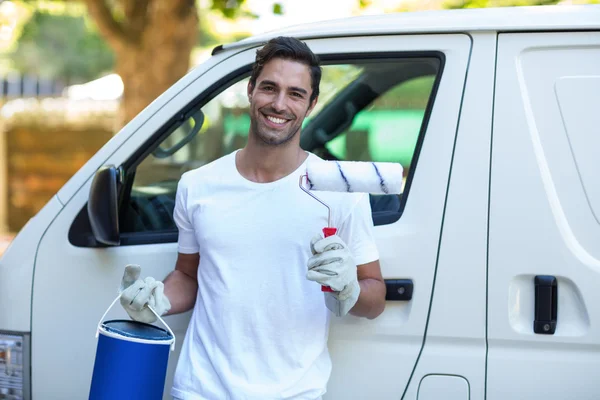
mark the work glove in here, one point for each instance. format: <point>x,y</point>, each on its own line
<point>332,265</point>
<point>137,294</point>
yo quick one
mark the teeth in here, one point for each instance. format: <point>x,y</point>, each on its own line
<point>276,120</point>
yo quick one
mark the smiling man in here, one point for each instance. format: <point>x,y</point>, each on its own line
<point>277,119</point>
<point>251,259</point>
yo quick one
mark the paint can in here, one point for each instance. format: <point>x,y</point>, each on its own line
<point>131,359</point>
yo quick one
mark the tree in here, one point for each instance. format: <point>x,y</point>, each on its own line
<point>60,46</point>
<point>152,41</point>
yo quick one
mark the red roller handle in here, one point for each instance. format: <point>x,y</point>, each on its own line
<point>328,232</point>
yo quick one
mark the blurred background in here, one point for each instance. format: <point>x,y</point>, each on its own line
<point>73,72</point>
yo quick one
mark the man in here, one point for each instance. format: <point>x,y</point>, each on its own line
<point>246,263</point>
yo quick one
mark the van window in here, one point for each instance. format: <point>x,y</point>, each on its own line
<point>374,109</point>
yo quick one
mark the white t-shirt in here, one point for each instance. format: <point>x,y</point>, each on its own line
<point>259,327</point>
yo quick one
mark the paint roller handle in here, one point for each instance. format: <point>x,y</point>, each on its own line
<point>329,231</point>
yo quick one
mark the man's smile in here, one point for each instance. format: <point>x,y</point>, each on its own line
<point>275,121</point>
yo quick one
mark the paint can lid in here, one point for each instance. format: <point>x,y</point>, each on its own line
<point>136,330</point>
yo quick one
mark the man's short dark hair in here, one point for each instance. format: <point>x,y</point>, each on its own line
<point>288,48</point>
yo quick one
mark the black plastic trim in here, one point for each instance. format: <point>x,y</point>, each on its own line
<point>216,50</point>
<point>385,217</point>
<point>103,210</point>
<point>128,239</point>
<point>546,304</point>
<point>399,289</point>
<point>80,232</point>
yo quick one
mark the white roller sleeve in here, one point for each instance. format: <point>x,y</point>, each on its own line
<point>355,176</point>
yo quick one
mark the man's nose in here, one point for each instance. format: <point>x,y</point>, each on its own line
<point>279,102</point>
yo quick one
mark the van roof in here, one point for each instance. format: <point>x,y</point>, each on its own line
<point>498,19</point>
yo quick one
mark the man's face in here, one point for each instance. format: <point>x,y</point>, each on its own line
<point>280,101</point>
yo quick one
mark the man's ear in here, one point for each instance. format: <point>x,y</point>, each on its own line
<point>250,89</point>
<point>312,106</point>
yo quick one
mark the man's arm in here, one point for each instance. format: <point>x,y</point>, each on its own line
<point>371,301</point>
<point>181,285</point>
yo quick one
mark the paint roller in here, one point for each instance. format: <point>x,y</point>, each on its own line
<point>350,177</point>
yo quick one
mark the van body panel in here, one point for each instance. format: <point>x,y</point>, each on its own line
<point>17,269</point>
<point>578,98</point>
<point>470,20</point>
<point>408,248</point>
<point>455,341</point>
<point>447,387</point>
<point>541,223</point>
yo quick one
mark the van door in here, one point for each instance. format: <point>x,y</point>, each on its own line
<point>451,365</point>
<point>383,98</point>
<point>544,257</point>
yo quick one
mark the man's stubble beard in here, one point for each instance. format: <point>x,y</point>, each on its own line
<point>255,130</point>
<point>264,139</point>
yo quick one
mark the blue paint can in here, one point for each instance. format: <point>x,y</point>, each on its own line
<point>131,360</point>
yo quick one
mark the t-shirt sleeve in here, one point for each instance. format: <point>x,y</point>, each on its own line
<point>357,231</point>
<point>186,243</point>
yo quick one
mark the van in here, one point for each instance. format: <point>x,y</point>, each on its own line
<point>491,254</point>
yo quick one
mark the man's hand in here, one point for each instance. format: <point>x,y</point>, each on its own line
<point>136,294</point>
<point>332,265</point>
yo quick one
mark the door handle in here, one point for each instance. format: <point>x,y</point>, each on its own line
<point>546,304</point>
<point>398,289</point>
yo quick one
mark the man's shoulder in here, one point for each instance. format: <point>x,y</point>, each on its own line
<point>213,171</point>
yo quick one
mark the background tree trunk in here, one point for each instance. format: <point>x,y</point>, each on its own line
<point>152,45</point>
<point>157,62</point>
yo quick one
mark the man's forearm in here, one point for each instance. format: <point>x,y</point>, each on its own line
<point>371,301</point>
<point>181,290</point>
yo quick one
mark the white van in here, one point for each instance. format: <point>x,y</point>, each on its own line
<point>491,254</point>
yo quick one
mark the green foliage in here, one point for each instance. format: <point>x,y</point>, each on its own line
<point>231,8</point>
<point>277,9</point>
<point>61,46</point>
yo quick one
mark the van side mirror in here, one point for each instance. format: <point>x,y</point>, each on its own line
<point>103,207</point>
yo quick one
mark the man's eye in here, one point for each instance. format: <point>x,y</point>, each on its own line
<point>268,88</point>
<point>297,95</point>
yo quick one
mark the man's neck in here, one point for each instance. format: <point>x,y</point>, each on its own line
<point>265,164</point>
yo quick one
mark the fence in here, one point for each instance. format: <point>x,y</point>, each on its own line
<point>15,85</point>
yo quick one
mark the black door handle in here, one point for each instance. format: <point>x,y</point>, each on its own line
<point>546,304</point>
<point>398,289</point>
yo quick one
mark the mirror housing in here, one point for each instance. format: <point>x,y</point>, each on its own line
<point>102,206</point>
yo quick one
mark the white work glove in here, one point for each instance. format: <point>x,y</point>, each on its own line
<point>136,294</point>
<point>332,265</point>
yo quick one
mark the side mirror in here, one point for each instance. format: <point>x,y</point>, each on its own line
<point>103,206</point>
